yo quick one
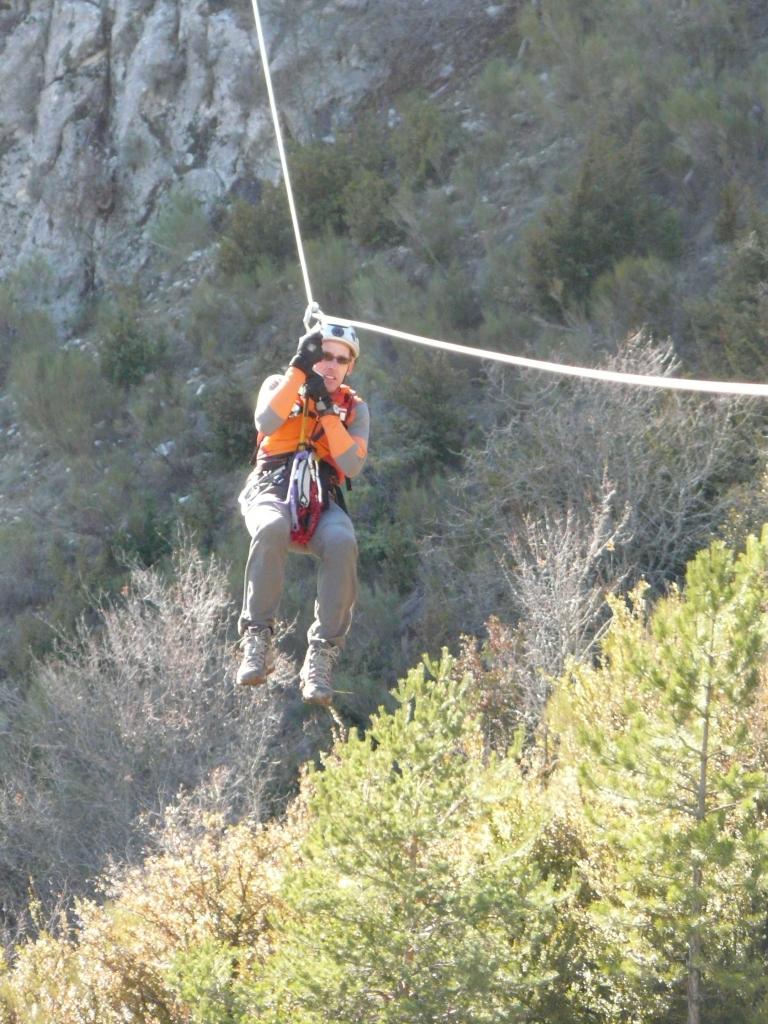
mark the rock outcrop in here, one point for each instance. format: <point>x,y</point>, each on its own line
<point>108,105</point>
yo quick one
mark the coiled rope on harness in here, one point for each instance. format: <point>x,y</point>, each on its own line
<point>305,496</point>
<point>714,387</point>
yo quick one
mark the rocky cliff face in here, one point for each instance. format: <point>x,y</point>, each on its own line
<point>108,105</point>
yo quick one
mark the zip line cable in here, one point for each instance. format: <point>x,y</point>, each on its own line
<point>714,387</point>
<point>281,151</point>
<point>612,376</point>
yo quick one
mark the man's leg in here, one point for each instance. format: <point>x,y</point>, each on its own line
<point>269,526</point>
<point>335,545</point>
<point>268,523</point>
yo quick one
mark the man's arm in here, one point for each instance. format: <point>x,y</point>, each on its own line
<point>276,398</point>
<point>278,394</point>
<point>349,445</point>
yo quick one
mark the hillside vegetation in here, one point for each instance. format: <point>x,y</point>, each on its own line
<point>591,189</point>
<point>610,868</point>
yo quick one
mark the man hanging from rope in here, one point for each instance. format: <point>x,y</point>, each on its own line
<point>313,433</point>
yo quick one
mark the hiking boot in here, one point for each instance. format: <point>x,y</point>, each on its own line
<point>317,671</point>
<point>258,656</point>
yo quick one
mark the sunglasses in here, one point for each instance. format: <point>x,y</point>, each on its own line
<point>329,357</point>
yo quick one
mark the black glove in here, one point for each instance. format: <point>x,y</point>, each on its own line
<point>314,387</point>
<point>309,352</point>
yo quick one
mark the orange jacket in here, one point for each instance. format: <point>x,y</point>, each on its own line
<point>328,437</point>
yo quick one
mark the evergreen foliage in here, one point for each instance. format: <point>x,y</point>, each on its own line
<point>674,785</point>
<point>126,346</point>
<point>422,142</point>
<point>413,837</point>
<point>181,228</point>
<point>230,418</point>
<point>367,216</point>
<point>23,325</point>
<point>613,871</point>
<point>730,326</point>
<point>254,233</point>
<point>62,398</point>
<point>608,214</point>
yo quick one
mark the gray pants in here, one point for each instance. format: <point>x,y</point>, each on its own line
<point>333,545</point>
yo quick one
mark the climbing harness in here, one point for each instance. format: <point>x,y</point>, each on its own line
<point>305,490</point>
<point>714,387</point>
<point>305,496</point>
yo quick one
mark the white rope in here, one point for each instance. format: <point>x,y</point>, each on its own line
<point>714,387</point>
<point>281,150</point>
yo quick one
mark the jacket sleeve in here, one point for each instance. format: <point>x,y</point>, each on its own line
<point>349,445</point>
<point>276,398</point>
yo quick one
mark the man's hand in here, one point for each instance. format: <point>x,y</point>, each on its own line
<point>314,387</point>
<point>309,352</point>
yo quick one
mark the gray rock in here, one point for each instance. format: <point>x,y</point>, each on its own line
<point>109,107</point>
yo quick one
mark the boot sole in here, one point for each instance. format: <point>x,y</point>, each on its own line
<point>255,680</point>
<point>323,699</point>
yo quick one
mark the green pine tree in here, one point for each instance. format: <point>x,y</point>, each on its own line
<point>414,899</point>
<point>677,790</point>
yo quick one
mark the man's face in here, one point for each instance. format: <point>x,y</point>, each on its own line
<point>332,371</point>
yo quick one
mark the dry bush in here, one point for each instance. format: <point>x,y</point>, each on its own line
<point>579,489</point>
<point>665,454</point>
<point>209,883</point>
<point>122,719</point>
<point>559,573</point>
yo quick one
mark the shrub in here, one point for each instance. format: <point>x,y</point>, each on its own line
<point>222,318</point>
<point>622,59</point>
<point>367,214</point>
<point>429,222</point>
<point>159,413</point>
<point>555,455</point>
<point>608,214</point>
<point>26,578</point>
<point>320,172</point>
<point>253,233</point>
<point>730,327</point>
<point>62,398</point>
<point>127,345</point>
<point>168,947</point>
<point>181,228</point>
<point>714,125</point>
<point>367,144</point>
<point>147,704</point>
<point>729,221</point>
<point>382,290</point>
<point>333,264</point>
<point>229,410</point>
<point>428,441</point>
<point>22,324</point>
<point>497,92</point>
<point>453,294</point>
<point>637,292</point>
<point>422,142</point>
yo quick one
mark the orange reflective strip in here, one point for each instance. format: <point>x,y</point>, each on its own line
<point>339,438</point>
<point>285,394</point>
